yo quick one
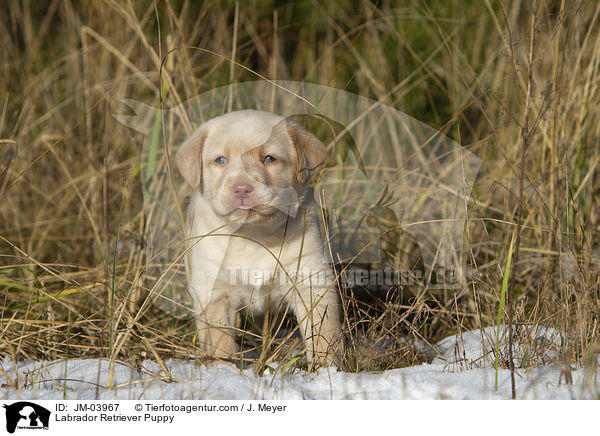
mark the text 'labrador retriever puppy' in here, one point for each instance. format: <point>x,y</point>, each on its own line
<point>253,235</point>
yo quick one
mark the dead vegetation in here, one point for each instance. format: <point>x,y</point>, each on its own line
<point>516,83</point>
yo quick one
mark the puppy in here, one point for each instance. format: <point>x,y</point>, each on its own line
<point>253,236</point>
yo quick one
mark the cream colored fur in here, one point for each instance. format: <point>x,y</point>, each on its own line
<point>252,213</point>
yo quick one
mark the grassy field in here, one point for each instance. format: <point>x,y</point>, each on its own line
<point>514,82</point>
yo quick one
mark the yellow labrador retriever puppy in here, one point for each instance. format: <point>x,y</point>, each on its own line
<point>254,242</point>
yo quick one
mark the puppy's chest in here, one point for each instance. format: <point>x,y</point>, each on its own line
<point>253,286</point>
<point>254,266</point>
<point>251,274</point>
<point>242,251</point>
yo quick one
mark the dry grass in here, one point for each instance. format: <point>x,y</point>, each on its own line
<point>516,83</point>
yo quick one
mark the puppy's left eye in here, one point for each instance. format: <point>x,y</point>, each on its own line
<point>268,158</point>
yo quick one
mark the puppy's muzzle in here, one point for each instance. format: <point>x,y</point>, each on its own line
<point>243,198</point>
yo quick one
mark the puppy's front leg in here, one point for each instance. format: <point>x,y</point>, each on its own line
<point>216,329</point>
<point>317,311</point>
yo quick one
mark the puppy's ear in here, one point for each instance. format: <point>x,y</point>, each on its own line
<point>189,157</point>
<point>310,151</point>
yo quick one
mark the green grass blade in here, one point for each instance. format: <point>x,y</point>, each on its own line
<point>501,308</point>
<point>56,296</point>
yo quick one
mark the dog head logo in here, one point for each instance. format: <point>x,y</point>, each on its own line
<point>26,415</point>
<point>387,178</point>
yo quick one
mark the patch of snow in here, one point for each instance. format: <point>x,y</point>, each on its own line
<point>464,372</point>
<point>532,346</point>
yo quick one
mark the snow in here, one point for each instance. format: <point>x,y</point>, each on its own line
<point>463,371</point>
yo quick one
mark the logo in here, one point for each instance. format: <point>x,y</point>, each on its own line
<point>391,186</point>
<point>26,415</point>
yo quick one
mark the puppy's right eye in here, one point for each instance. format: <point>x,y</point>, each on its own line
<point>221,160</point>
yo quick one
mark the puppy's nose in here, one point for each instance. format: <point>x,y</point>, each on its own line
<point>242,190</point>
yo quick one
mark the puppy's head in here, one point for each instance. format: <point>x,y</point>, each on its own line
<point>250,164</point>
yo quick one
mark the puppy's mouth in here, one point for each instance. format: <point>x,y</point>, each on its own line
<point>264,209</point>
<point>241,210</point>
<point>244,209</point>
